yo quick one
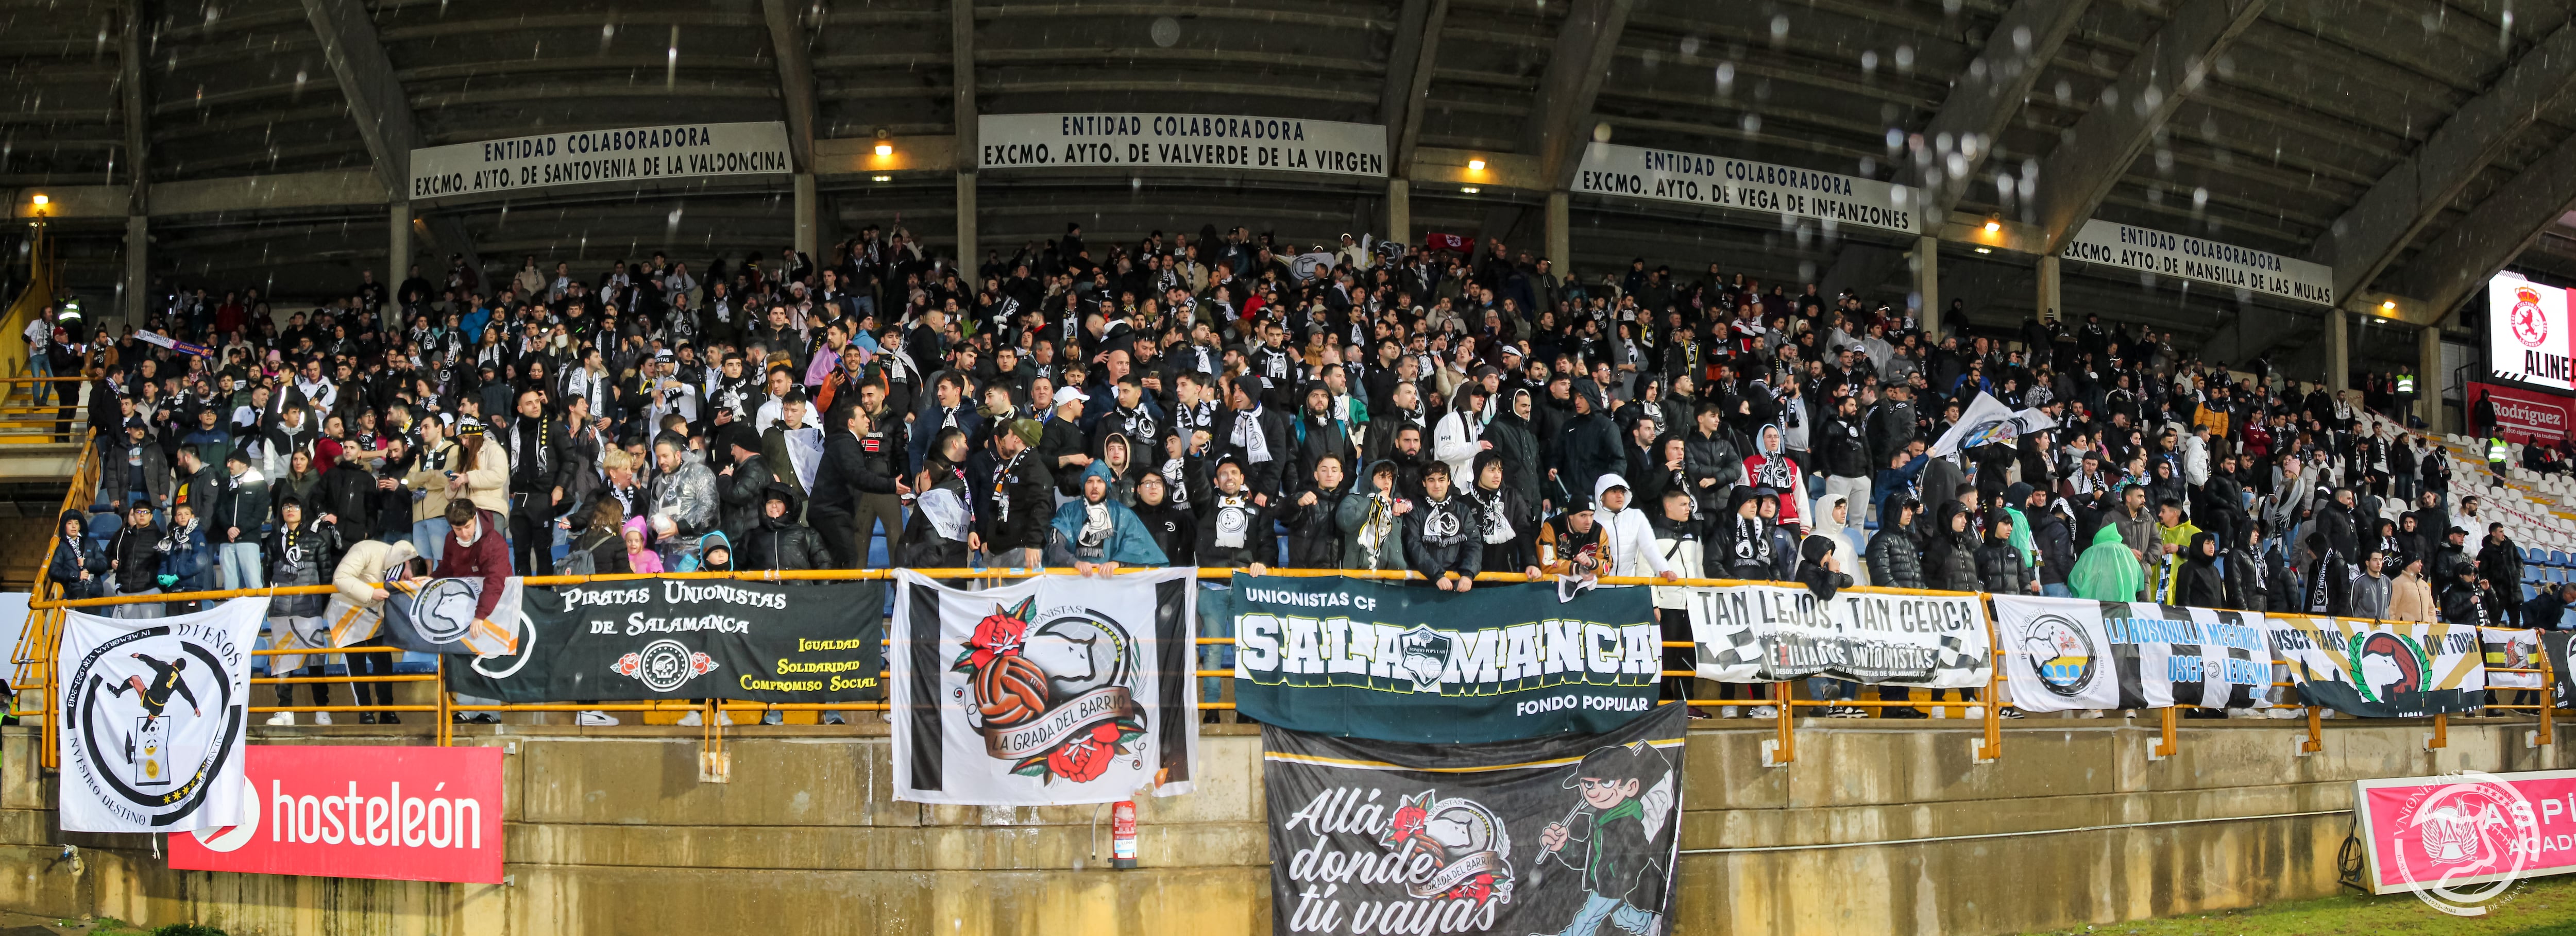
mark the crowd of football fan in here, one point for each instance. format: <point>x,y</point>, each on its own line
<point>1220,399</point>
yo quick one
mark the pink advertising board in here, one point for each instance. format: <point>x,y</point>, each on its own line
<point>2444,832</point>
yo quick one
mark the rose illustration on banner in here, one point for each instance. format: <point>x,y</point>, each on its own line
<point>998,634</point>
<point>1087,756</point>
<point>1052,698</point>
<point>664,665</point>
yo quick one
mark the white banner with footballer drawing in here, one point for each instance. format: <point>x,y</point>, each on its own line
<point>1767,633</point>
<point>153,716</point>
<point>1051,691</point>
<point>2064,654</point>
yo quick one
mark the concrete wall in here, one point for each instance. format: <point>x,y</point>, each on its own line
<point>611,832</point>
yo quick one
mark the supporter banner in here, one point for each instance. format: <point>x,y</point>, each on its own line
<point>1548,835</point>
<point>446,616</point>
<point>2529,338</point>
<point>2064,654</point>
<point>1180,141</point>
<point>2183,256</point>
<point>1768,633</point>
<point>1052,691</point>
<point>620,155</point>
<point>174,344</point>
<point>2432,834</point>
<point>675,639</point>
<point>1987,421</point>
<point>1379,660</point>
<point>360,811</point>
<point>2525,416</point>
<point>1724,182</point>
<point>2383,669</point>
<point>2509,648</point>
<point>2561,693</point>
<point>153,715</point>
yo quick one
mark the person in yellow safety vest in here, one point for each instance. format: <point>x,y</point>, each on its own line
<point>2497,452</point>
<point>2406,383</point>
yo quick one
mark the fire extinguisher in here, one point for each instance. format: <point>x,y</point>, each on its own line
<point>1122,835</point>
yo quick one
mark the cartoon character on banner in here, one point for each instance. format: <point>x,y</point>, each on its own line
<point>1624,794</point>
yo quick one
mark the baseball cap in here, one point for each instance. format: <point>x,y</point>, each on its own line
<point>1064,395</point>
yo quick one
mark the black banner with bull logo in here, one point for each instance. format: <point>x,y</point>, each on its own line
<point>672,639</point>
<point>1550,835</point>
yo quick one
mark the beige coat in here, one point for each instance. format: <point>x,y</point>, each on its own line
<point>488,485</point>
<point>2410,598</point>
<point>432,485</point>
<point>362,569</point>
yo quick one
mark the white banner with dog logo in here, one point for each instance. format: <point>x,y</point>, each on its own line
<point>2064,654</point>
<point>1768,633</point>
<point>154,712</point>
<point>1051,691</point>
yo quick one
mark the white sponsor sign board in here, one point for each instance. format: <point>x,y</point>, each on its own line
<point>2186,257</point>
<point>1180,141</point>
<point>1719,181</point>
<point>2528,339</point>
<point>626,154</point>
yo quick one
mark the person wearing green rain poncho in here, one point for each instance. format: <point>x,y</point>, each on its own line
<point>2108,570</point>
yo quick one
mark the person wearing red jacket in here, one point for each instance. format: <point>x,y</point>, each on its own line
<point>476,549</point>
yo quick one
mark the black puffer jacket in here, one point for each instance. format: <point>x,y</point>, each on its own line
<point>1999,569</point>
<point>783,543</point>
<point>2247,586</point>
<point>1315,530</point>
<point>1895,561</point>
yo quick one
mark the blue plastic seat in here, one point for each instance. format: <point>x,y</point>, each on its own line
<point>2558,558</point>
<point>2536,556</point>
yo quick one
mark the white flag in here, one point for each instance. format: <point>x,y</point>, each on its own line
<point>1049,692</point>
<point>154,712</point>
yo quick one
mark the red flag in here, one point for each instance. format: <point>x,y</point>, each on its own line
<point>1437,241</point>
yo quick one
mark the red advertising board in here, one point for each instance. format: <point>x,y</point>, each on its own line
<point>2525,415</point>
<point>392,813</point>
<point>2437,833</point>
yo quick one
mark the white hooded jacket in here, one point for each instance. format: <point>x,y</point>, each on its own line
<point>1626,533</point>
<point>1847,552</point>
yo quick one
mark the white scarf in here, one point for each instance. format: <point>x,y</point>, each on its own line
<point>1233,520</point>
<point>1247,435</point>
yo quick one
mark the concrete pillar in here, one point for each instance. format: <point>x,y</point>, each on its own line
<point>967,256</point>
<point>397,245</point>
<point>805,224</point>
<point>1560,233</point>
<point>1927,286</point>
<point>2428,383</point>
<point>2049,306</point>
<point>2338,350</point>
<point>138,268</point>
<point>1399,213</point>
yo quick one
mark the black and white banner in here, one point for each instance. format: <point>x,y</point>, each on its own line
<point>2064,654</point>
<point>153,716</point>
<point>446,616</point>
<point>792,643</point>
<point>2383,669</point>
<point>1564,834</point>
<point>1767,633</point>
<point>2509,648</point>
<point>1053,691</point>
